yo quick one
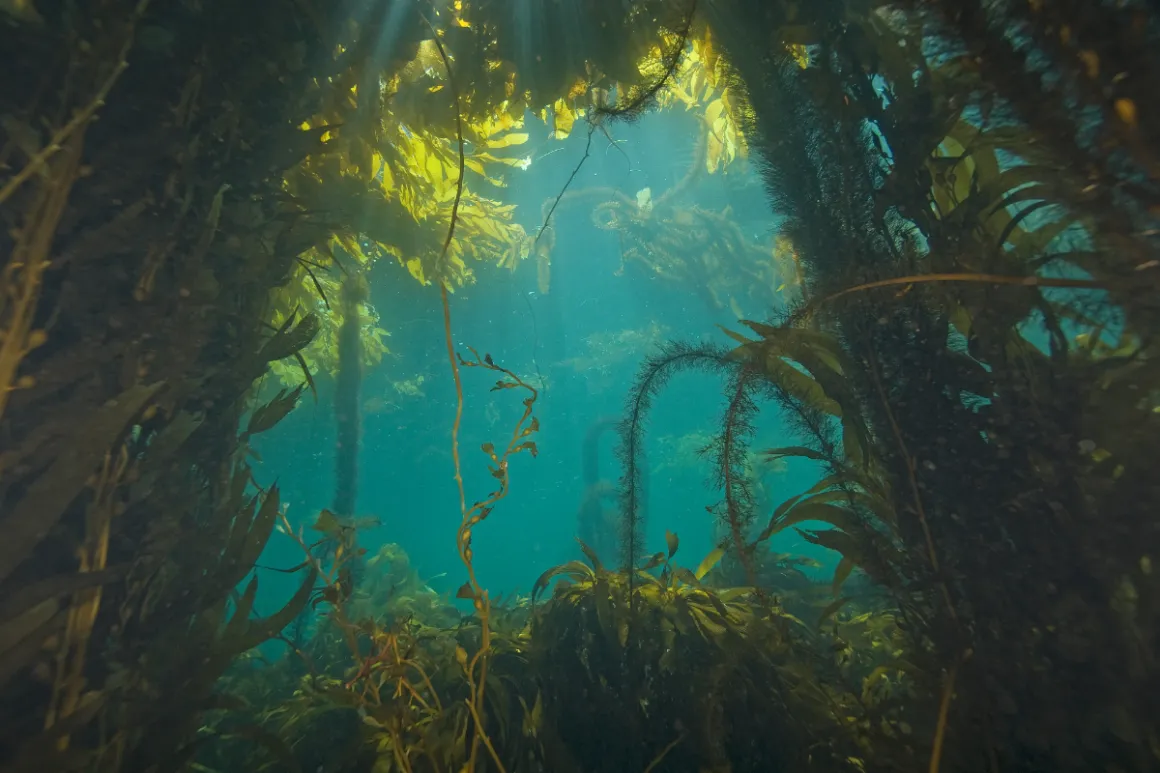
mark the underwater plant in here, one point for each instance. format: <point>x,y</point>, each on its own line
<point>970,193</point>
<point>676,672</point>
<point>934,210</point>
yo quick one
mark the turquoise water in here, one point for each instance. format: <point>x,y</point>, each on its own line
<point>585,338</point>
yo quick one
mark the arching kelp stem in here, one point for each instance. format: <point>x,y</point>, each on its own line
<point>654,374</point>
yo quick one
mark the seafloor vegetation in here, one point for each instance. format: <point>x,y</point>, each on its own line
<point>193,191</point>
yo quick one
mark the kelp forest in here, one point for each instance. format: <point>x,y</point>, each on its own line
<point>950,324</point>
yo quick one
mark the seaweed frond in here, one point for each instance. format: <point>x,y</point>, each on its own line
<point>730,454</point>
<point>654,374</point>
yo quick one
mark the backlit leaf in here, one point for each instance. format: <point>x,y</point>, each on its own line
<point>709,562</point>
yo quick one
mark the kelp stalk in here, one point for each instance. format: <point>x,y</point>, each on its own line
<point>346,398</point>
<point>471,516</point>
<point>478,511</point>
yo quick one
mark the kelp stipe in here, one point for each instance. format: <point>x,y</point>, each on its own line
<point>347,385</point>
<point>593,527</point>
<point>476,668</point>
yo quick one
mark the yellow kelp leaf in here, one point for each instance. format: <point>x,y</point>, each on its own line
<point>488,158</point>
<point>493,125</point>
<point>800,54</point>
<point>373,346</point>
<point>951,172</point>
<point>699,85</point>
<point>714,151</point>
<point>708,563</point>
<point>714,111</point>
<point>579,89</point>
<point>682,89</point>
<point>388,183</point>
<point>708,54</point>
<point>497,210</point>
<point>415,268</point>
<point>724,142</point>
<point>563,117</point>
<point>489,227</point>
<point>473,163</point>
<point>506,141</point>
<point>433,168</point>
<point>517,252</point>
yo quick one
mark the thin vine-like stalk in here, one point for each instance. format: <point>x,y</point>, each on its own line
<point>472,516</point>
<point>995,279</point>
<point>397,749</point>
<point>943,710</point>
<point>426,680</point>
<point>633,108</point>
<point>730,485</point>
<point>664,753</point>
<point>908,460</point>
<point>575,171</point>
<point>487,741</point>
<point>459,136</point>
<point>480,510</point>
<point>458,397</point>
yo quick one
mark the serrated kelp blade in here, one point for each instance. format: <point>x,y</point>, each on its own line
<point>239,525</point>
<point>25,598</point>
<point>251,545</point>
<point>161,450</point>
<point>590,554</point>
<point>43,621</point>
<point>576,570</point>
<point>259,631</point>
<point>241,616</point>
<point>813,509</point>
<point>46,500</point>
<point>286,342</point>
<point>845,566</point>
<point>268,415</point>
